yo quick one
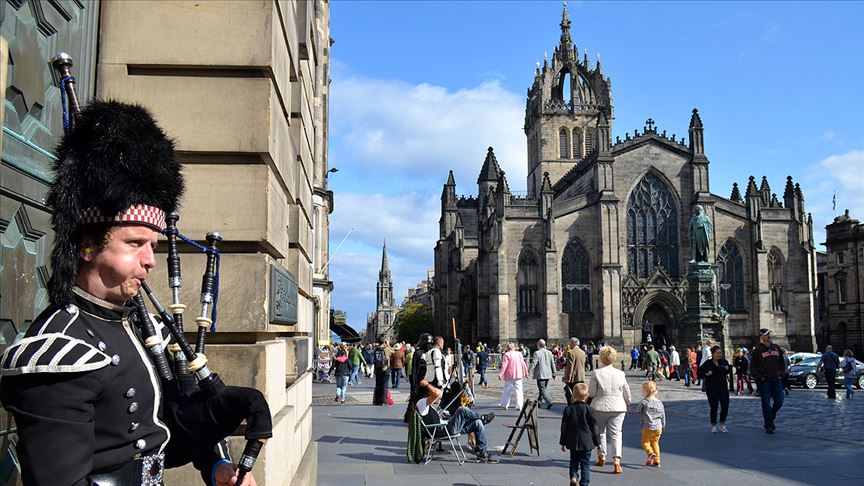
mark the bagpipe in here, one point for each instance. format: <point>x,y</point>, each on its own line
<point>200,410</point>
<point>457,390</point>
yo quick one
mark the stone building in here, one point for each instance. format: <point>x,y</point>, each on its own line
<point>841,279</point>
<point>598,247</point>
<point>381,322</point>
<point>422,293</point>
<point>242,87</point>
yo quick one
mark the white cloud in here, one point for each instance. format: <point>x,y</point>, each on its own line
<point>842,175</point>
<point>409,222</point>
<point>422,130</point>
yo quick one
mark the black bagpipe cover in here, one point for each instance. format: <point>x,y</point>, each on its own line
<point>199,421</point>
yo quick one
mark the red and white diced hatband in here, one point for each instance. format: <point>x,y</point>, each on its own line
<point>137,213</point>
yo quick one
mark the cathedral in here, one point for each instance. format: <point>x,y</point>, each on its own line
<point>598,246</point>
<point>380,323</point>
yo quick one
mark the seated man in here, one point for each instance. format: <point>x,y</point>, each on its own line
<point>463,421</point>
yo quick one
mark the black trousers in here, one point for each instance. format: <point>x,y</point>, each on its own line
<point>718,397</point>
<point>830,377</point>
<point>380,395</point>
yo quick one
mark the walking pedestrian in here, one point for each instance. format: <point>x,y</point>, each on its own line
<point>368,367</point>
<point>767,369</point>
<point>574,367</point>
<point>849,372</point>
<point>674,363</point>
<point>634,357</point>
<point>713,373</point>
<point>355,357</point>
<point>342,368</point>
<point>543,370</point>
<point>653,420</point>
<point>397,362</point>
<point>742,369</point>
<point>511,372</point>
<point>653,359</point>
<point>611,395</point>
<point>830,362</point>
<point>482,362</point>
<point>381,364</point>
<point>579,434</point>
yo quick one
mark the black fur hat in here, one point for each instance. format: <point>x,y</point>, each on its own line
<point>114,158</point>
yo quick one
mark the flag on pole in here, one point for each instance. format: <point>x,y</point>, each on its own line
<point>834,202</point>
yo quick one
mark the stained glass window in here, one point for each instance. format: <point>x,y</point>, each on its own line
<point>527,280</point>
<point>652,228</point>
<point>730,264</point>
<point>575,279</point>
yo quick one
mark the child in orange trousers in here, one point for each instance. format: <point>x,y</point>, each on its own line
<point>653,418</point>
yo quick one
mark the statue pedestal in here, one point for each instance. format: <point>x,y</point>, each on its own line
<point>703,316</point>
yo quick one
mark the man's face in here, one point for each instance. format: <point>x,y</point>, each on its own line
<point>766,339</point>
<point>114,272</point>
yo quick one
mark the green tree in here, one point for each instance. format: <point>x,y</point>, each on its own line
<point>413,320</point>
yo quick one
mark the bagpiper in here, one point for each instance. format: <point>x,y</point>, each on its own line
<point>86,397</point>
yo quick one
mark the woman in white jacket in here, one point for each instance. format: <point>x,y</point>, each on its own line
<point>610,396</point>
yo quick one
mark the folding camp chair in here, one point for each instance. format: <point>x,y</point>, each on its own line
<point>435,432</point>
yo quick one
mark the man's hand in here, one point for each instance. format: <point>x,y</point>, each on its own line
<point>226,475</point>
<point>563,448</point>
<point>709,373</point>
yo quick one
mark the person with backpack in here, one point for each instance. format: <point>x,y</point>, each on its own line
<point>849,370</point>
<point>381,365</point>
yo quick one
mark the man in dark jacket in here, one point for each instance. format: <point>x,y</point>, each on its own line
<point>830,362</point>
<point>767,370</point>
<point>580,434</point>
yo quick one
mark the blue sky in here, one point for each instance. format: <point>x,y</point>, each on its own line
<point>420,88</point>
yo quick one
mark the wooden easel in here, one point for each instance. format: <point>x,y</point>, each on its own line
<point>527,420</point>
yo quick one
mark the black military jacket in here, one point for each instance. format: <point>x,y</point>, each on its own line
<point>85,395</point>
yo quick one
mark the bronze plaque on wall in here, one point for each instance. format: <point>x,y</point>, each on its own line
<point>283,296</point>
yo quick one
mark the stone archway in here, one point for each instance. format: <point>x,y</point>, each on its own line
<point>658,313</point>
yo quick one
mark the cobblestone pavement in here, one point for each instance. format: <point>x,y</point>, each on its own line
<point>359,444</point>
<point>806,412</point>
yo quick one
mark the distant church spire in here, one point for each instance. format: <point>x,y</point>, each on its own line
<point>385,267</point>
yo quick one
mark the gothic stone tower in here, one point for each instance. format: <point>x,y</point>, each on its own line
<point>563,110</point>
<point>385,309</point>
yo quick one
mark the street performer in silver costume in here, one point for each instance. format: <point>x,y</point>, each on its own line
<point>89,404</point>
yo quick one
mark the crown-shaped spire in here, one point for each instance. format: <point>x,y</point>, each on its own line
<point>490,169</point>
<point>736,194</point>
<point>566,41</point>
<point>451,181</point>
<point>764,187</point>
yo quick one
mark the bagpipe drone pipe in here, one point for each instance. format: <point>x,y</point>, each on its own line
<point>200,410</point>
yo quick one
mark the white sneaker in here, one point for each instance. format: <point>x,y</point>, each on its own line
<point>713,429</point>
<point>723,429</point>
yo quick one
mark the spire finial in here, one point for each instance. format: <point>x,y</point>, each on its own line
<point>566,42</point>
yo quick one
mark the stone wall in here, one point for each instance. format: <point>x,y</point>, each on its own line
<point>240,87</point>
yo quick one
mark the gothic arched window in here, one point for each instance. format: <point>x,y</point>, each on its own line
<point>527,280</point>
<point>652,228</point>
<point>730,264</point>
<point>575,279</point>
<point>563,143</point>
<point>589,141</point>
<point>577,143</point>
<point>776,279</point>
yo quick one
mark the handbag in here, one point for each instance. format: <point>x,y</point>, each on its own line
<point>389,398</point>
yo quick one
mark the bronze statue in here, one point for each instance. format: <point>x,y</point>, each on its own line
<point>700,235</point>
